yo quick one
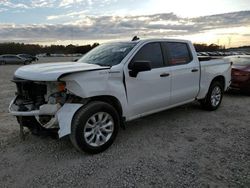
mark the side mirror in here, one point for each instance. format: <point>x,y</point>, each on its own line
<point>138,66</point>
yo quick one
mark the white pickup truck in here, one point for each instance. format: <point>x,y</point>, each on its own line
<point>114,83</point>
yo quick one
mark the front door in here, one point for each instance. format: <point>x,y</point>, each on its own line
<point>150,90</point>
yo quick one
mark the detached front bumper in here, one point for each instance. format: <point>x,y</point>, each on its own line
<point>63,115</point>
<point>46,109</point>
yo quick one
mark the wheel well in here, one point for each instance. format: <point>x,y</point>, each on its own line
<point>111,100</point>
<point>220,79</point>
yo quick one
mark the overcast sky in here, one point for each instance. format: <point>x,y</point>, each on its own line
<point>224,22</point>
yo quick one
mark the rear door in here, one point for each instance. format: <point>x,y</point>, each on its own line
<point>149,90</point>
<point>185,72</point>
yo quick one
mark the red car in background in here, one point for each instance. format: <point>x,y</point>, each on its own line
<point>240,72</point>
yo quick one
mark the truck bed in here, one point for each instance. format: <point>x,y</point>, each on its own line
<point>209,70</point>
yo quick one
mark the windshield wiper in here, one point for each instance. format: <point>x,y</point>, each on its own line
<point>103,65</point>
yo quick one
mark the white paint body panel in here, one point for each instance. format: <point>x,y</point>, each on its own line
<point>211,69</point>
<point>65,116</point>
<point>185,83</point>
<point>148,91</point>
<point>52,71</point>
<point>146,94</point>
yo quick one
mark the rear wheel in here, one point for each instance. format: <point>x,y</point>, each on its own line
<point>214,97</point>
<point>94,127</point>
<point>2,62</point>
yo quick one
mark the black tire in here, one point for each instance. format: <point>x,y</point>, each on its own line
<point>79,124</point>
<point>207,103</point>
<point>2,62</point>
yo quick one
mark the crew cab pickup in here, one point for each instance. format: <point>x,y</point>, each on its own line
<point>112,84</point>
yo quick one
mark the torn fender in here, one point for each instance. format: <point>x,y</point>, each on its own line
<point>65,116</point>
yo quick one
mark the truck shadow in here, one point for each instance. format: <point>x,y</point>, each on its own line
<point>237,93</point>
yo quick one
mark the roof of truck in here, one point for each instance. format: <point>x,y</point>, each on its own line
<point>151,40</point>
<point>163,39</point>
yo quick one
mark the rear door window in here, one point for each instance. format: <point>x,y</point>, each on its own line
<point>178,53</point>
<point>150,52</point>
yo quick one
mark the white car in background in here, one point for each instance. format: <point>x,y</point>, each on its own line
<point>13,59</point>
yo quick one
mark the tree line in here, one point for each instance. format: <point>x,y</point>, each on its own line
<point>208,48</point>
<point>33,49</point>
<point>18,48</point>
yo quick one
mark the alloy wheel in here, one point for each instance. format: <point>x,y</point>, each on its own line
<point>98,129</point>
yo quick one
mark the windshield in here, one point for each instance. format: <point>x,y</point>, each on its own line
<point>242,61</point>
<point>107,54</point>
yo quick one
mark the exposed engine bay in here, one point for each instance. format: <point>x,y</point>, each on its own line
<point>42,99</point>
<point>44,106</point>
<point>31,95</point>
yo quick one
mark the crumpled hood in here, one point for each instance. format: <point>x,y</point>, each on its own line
<point>52,71</point>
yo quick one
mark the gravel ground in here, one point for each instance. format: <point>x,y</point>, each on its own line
<point>181,147</point>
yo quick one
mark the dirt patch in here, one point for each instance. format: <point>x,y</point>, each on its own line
<point>181,147</point>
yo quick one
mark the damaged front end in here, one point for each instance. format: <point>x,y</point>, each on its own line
<point>40,106</point>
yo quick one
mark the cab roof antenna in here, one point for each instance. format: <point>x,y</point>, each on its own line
<point>135,38</point>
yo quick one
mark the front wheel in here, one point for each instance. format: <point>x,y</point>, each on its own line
<point>214,96</point>
<point>94,127</point>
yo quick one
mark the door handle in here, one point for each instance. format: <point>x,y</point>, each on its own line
<point>164,75</point>
<point>194,70</point>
